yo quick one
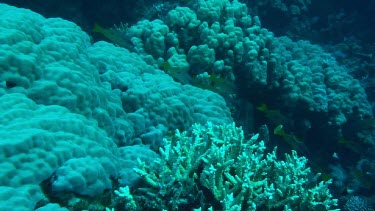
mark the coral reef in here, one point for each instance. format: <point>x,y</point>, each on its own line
<point>216,166</point>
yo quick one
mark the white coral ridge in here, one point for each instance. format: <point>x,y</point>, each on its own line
<point>66,105</point>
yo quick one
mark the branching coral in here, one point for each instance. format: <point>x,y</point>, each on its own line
<point>216,166</point>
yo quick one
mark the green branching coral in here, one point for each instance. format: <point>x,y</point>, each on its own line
<point>217,167</point>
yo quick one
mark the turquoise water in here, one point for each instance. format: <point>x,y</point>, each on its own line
<point>187,105</point>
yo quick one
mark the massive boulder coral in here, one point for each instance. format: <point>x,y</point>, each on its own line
<point>152,100</point>
<point>53,62</point>
<point>38,141</point>
<point>312,79</point>
<point>220,38</point>
<point>68,108</point>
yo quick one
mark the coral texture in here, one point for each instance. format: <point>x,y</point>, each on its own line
<point>216,166</point>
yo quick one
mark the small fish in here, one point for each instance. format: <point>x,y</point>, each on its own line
<point>274,116</point>
<point>355,146</point>
<point>216,84</point>
<point>177,74</point>
<point>279,130</point>
<point>112,35</point>
<point>290,139</point>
